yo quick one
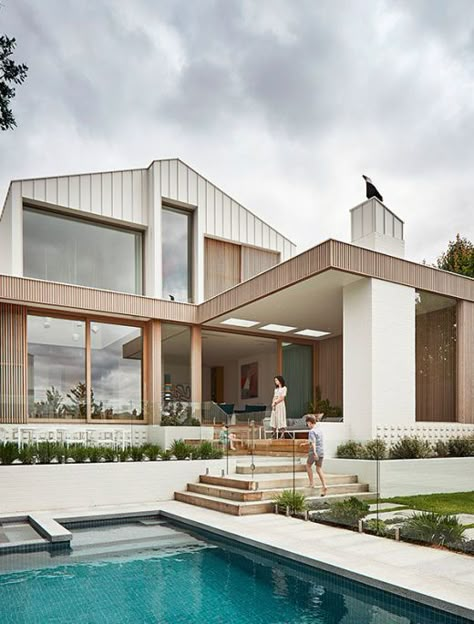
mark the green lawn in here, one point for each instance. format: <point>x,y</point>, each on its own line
<point>458,502</point>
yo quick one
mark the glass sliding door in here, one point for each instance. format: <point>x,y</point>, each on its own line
<point>116,372</point>
<point>66,249</point>
<point>298,375</point>
<point>177,253</point>
<point>56,368</point>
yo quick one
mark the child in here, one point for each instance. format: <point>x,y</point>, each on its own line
<point>315,453</point>
<point>226,438</point>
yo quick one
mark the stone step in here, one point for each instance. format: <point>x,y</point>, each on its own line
<point>271,481</point>
<point>287,454</point>
<point>225,506</point>
<point>236,494</point>
<point>267,469</point>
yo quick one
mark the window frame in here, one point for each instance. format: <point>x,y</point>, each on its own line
<point>88,320</point>
<point>189,214</point>
<point>98,221</point>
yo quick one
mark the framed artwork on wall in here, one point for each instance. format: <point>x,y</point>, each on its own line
<point>249,381</point>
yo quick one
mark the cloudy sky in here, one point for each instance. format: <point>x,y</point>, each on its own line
<point>282,103</point>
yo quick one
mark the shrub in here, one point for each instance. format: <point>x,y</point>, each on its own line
<point>152,451</point>
<point>95,453</point>
<point>294,500</point>
<point>410,448</point>
<point>206,450</point>
<point>428,526</point>
<point>348,511</point>
<point>350,450</point>
<point>47,451</point>
<point>108,453</point>
<point>137,453</point>
<point>376,526</point>
<point>79,453</point>
<point>166,455</point>
<point>27,454</point>
<point>461,447</point>
<point>8,452</point>
<point>181,450</point>
<point>441,448</point>
<point>375,449</point>
<point>123,454</point>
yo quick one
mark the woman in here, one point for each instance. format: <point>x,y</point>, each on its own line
<point>278,417</point>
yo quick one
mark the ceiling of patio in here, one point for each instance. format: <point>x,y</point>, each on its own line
<point>315,303</point>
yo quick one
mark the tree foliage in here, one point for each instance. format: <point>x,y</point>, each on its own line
<point>459,257</point>
<point>11,74</point>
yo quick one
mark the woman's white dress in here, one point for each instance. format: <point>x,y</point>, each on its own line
<point>278,417</point>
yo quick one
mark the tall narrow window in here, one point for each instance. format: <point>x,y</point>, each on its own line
<point>76,251</point>
<point>298,374</point>
<point>56,368</point>
<point>176,234</point>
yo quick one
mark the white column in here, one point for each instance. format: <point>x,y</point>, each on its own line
<point>379,356</point>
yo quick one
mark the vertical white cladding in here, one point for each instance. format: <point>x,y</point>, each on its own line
<point>379,356</point>
<point>374,226</point>
<point>135,197</point>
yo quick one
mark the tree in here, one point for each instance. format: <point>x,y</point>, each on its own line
<point>10,74</point>
<point>78,398</point>
<point>459,257</point>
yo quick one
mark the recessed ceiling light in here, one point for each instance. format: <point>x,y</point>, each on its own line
<point>278,328</point>
<point>312,333</point>
<point>239,322</point>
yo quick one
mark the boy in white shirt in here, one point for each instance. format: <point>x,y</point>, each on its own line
<point>315,453</point>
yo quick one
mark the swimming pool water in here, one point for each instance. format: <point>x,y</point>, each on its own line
<point>175,577</point>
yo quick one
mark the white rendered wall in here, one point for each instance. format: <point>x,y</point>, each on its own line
<point>68,486</point>
<point>6,237</point>
<point>378,356</point>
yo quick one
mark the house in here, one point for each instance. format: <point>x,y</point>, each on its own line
<point>118,289</point>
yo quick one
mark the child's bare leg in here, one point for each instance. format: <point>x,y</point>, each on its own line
<point>309,470</point>
<point>320,472</point>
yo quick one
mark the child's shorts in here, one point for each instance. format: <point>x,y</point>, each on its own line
<point>312,459</point>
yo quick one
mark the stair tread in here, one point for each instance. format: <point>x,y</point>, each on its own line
<point>282,475</point>
<point>224,501</point>
<point>271,489</point>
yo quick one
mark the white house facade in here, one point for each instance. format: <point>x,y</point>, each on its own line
<point>121,289</point>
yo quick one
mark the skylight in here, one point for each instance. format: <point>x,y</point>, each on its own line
<point>239,322</point>
<point>312,333</point>
<point>278,328</point>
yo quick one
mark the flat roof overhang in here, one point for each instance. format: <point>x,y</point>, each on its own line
<point>339,259</point>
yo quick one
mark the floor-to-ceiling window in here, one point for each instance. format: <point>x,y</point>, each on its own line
<point>83,369</point>
<point>56,368</point>
<point>435,358</point>
<point>74,250</point>
<point>177,254</point>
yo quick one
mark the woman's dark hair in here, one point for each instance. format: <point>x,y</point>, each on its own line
<point>281,380</point>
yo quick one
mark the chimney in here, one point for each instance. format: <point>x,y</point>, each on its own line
<point>374,226</point>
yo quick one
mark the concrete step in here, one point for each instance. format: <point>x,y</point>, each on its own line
<point>270,469</point>
<point>271,453</point>
<point>225,506</point>
<point>271,481</point>
<point>236,494</point>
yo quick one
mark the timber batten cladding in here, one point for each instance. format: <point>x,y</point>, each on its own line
<point>13,388</point>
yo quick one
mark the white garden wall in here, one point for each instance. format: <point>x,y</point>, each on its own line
<point>67,486</point>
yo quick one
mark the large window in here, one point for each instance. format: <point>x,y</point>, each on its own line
<point>177,254</point>
<point>64,354</point>
<point>75,251</point>
<point>116,366</point>
<point>56,368</point>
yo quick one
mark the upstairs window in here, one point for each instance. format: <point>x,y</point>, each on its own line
<point>60,248</point>
<point>177,254</point>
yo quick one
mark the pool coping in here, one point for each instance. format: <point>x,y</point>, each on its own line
<point>455,608</point>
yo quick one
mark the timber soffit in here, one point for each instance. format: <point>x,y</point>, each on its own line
<point>333,254</point>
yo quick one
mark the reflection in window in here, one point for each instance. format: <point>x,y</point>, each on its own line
<point>116,371</point>
<point>56,368</point>
<point>177,254</point>
<point>435,358</point>
<point>76,251</point>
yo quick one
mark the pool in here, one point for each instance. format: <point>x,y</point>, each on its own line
<point>151,572</point>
